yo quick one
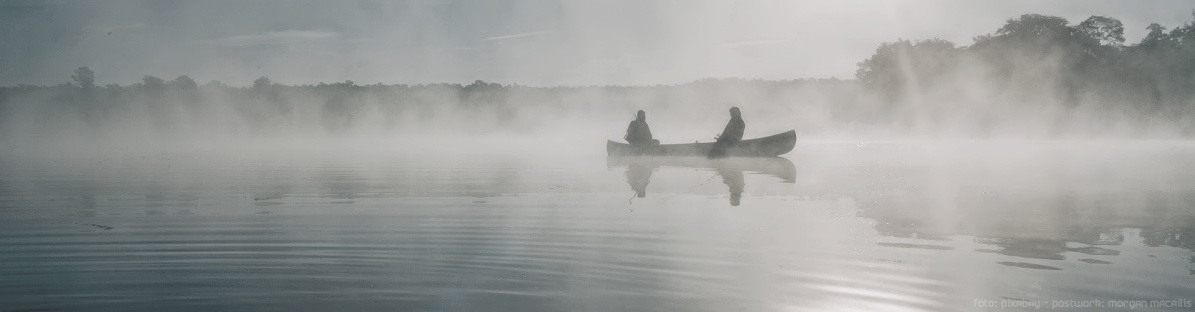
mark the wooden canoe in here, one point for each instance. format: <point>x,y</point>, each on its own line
<point>768,146</point>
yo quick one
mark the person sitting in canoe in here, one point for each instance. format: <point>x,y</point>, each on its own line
<point>730,136</point>
<point>638,134</point>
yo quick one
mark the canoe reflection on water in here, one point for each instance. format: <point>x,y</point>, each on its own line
<point>640,168</point>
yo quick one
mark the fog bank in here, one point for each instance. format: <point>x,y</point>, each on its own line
<point>1035,77</point>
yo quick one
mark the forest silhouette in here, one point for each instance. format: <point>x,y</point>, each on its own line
<point>1035,76</point>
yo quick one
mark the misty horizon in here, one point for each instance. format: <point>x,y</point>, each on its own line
<point>1035,76</point>
<point>659,155</point>
<point>509,42</point>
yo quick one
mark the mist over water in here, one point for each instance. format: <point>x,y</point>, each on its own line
<point>917,226</point>
<point>1015,162</point>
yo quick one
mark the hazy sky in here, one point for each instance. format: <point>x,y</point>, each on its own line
<point>507,41</point>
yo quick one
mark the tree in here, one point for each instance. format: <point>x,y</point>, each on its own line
<point>153,86</point>
<point>1184,35</point>
<point>262,83</point>
<point>215,84</point>
<point>265,92</point>
<point>84,77</point>
<point>1157,39</point>
<point>153,82</point>
<point>184,83</point>
<point>1034,35</point>
<point>1034,25</point>
<point>186,88</point>
<point>898,66</point>
<point>1109,31</point>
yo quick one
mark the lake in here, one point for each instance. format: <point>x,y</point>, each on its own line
<point>832,226</point>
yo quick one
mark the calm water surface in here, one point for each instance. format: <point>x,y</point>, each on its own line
<point>829,227</point>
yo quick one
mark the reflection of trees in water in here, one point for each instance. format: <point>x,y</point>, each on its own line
<point>1173,237</point>
<point>1056,248</point>
<point>1020,222</point>
<point>1096,236</point>
<point>1039,248</point>
<point>905,229</point>
<point>1026,248</point>
<point>1181,237</point>
<point>1030,224</point>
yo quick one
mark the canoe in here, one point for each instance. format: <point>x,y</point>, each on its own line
<point>768,146</point>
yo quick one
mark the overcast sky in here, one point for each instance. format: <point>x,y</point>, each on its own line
<point>507,41</point>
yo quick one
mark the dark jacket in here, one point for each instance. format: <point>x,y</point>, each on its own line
<point>638,132</point>
<point>733,132</point>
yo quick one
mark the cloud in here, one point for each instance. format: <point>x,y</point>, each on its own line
<point>274,37</point>
<point>504,37</point>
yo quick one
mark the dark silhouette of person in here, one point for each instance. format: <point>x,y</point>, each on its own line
<point>638,134</point>
<point>638,176</point>
<point>731,135</point>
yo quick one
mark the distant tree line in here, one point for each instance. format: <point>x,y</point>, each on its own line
<point>1035,76</point>
<point>1043,65</point>
<point>181,106</point>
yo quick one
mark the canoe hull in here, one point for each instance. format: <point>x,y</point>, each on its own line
<point>768,146</point>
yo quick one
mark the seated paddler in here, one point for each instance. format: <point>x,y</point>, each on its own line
<point>638,134</point>
<point>730,136</point>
